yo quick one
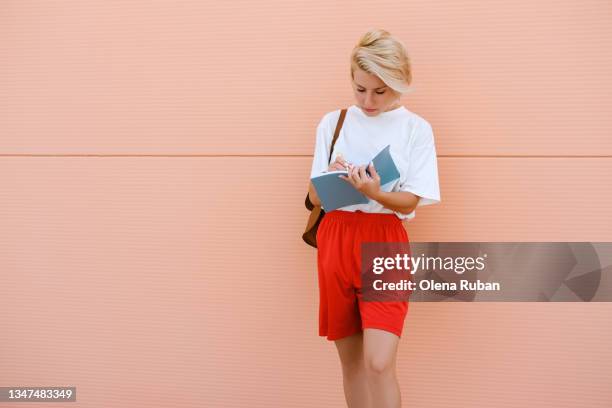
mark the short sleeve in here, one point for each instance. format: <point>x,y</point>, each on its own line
<point>322,145</point>
<point>421,177</point>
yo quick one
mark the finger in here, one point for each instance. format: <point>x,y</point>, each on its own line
<point>363,175</point>
<point>348,180</point>
<point>372,170</point>
<point>362,172</point>
<point>337,166</point>
<point>356,176</point>
<point>349,175</point>
<point>340,159</point>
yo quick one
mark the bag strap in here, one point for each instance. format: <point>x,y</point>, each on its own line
<point>309,205</point>
<point>336,133</point>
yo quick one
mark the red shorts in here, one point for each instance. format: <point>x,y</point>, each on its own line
<point>342,312</point>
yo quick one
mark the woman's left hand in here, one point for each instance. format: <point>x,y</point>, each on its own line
<point>369,186</point>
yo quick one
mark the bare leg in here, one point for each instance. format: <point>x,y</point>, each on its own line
<point>354,376</point>
<point>380,351</point>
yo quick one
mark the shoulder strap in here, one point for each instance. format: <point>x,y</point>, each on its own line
<point>337,133</point>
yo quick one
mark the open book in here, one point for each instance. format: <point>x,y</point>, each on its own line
<point>335,192</point>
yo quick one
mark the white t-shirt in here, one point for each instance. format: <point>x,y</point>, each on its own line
<point>362,137</point>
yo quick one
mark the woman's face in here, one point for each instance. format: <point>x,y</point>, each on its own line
<point>372,94</point>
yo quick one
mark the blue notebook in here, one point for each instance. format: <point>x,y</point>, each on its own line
<point>335,192</point>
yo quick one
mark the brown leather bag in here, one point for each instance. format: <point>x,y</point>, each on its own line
<point>316,212</point>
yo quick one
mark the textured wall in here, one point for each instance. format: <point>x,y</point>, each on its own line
<point>154,158</point>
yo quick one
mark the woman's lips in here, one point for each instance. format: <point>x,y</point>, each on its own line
<point>369,110</point>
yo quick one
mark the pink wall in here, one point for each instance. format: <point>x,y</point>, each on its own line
<point>154,158</point>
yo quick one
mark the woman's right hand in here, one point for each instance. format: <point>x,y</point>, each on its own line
<point>338,164</point>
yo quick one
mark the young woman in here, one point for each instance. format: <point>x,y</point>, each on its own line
<point>367,334</point>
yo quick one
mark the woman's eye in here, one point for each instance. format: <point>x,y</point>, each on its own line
<point>363,90</point>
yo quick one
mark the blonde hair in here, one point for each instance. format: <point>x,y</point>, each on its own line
<point>378,53</point>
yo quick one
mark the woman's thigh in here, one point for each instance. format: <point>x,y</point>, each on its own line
<point>350,350</point>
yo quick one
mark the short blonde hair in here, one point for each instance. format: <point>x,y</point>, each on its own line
<point>379,53</point>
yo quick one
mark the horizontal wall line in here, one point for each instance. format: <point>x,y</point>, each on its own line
<point>511,156</point>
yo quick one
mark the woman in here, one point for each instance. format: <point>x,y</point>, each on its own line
<point>367,334</point>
